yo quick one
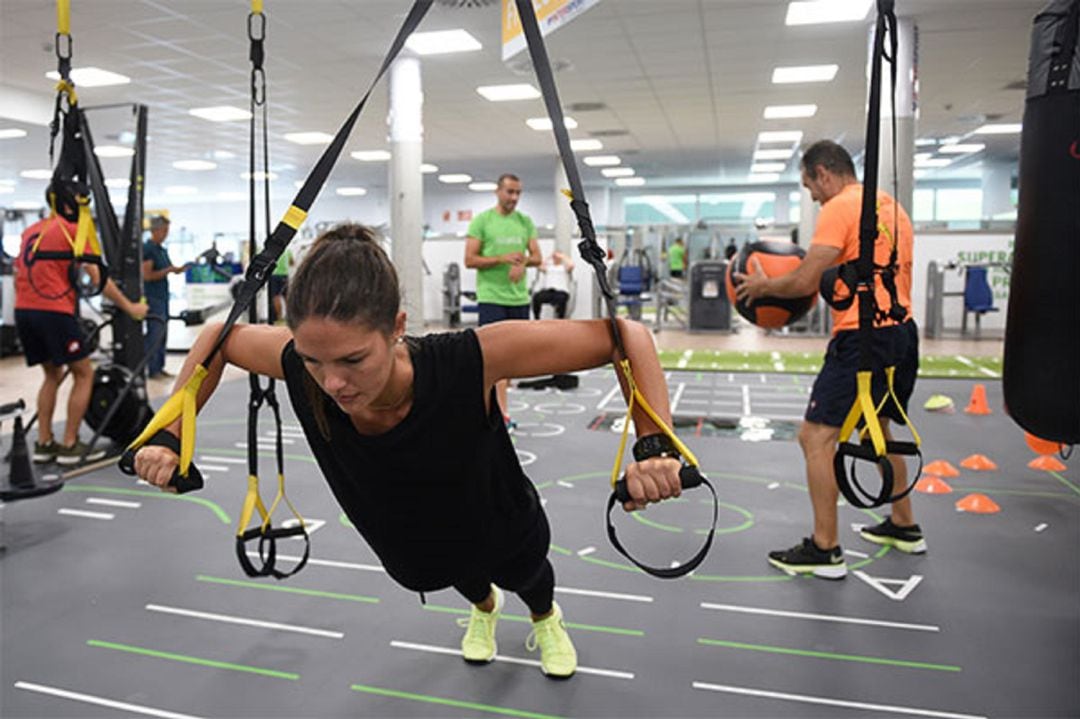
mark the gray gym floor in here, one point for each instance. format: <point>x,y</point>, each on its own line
<point>117,599</point>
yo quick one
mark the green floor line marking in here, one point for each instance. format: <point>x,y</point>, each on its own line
<point>186,659</point>
<point>561,550</point>
<point>243,453</point>
<point>748,520</point>
<point>288,590</point>
<point>344,521</point>
<point>621,631</point>
<point>544,485</point>
<point>457,703</point>
<point>828,655</point>
<point>153,493</point>
<point>610,565</point>
<point>1066,482</point>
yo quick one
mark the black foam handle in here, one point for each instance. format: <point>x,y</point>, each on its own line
<point>689,477</point>
<point>191,483</point>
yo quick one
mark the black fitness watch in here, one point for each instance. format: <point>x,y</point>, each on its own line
<point>654,445</point>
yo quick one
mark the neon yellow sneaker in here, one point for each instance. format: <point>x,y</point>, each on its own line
<point>478,644</point>
<point>558,658</point>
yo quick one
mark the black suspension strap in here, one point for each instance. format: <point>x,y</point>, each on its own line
<point>690,475</point>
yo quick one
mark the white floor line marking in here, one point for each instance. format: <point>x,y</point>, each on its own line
<point>292,427</point>
<point>853,553</point>
<point>604,595</point>
<point>586,551</point>
<point>101,701</point>
<point>607,398</point>
<point>214,467</point>
<point>821,617</point>
<point>746,400</point>
<point>258,446</point>
<point>564,483</point>
<point>678,396</point>
<point>229,619</point>
<point>113,502</point>
<point>222,460</point>
<point>762,378</point>
<point>965,361</point>
<point>85,513</point>
<point>772,485</point>
<point>884,584</point>
<point>509,660</point>
<point>806,699</point>
<point>327,563</point>
<point>1041,527</point>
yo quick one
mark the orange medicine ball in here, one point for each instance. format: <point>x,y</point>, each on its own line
<point>776,258</point>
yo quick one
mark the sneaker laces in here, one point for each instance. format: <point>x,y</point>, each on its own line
<point>546,635</point>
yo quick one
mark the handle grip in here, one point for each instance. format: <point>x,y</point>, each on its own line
<point>689,477</point>
<point>181,484</point>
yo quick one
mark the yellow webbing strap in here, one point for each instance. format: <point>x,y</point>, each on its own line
<point>863,408</point>
<point>252,502</point>
<point>182,405</point>
<point>68,88</point>
<point>277,500</point>
<point>85,232</point>
<point>294,217</point>
<point>890,372</point>
<point>256,7</point>
<point>63,17</point>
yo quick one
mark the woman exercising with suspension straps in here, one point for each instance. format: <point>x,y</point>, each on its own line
<point>408,435</point>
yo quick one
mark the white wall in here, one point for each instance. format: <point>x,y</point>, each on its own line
<point>961,248</point>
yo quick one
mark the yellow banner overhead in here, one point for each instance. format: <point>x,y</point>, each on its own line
<point>550,15</point>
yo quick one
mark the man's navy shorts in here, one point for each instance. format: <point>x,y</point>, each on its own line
<point>835,387</point>
<point>488,313</point>
<point>50,337</point>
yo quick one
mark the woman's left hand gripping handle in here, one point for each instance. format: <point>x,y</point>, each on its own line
<point>160,466</point>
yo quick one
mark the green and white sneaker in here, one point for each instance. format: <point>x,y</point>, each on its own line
<point>558,658</point>
<point>907,539</point>
<point>807,558</point>
<point>45,452</point>
<point>73,455</point>
<point>478,645</point>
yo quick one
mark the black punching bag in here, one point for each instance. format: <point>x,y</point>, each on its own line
<point>1042,333</point>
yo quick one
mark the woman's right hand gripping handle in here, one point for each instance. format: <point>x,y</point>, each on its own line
<point>160,466</point>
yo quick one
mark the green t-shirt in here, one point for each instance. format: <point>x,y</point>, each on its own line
<point>677,257</point>
<point>499,235</point>
<point>282,266</point>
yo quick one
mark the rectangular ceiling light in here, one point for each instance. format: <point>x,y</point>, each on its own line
<point>767,167</point>
<point>194,165</point>
<point>370,155</point>
<point>586,145</point>
<point>617,172</point>
<point>962,148</point>
<point>482,186</point>
<point>427,168</point>
<point>934,162</point>
<point>220,113</point>
<point>783,112</point>
<point>113,151</point>
<point>544,123</point>
<point>603,160</point>
<point>92,77</point>
<point>814,12</point>
<point>764,177</point>
<point>455,179</point>
<point>232,195</point>
<point>630,181</point>
<point>309,138</point>
<point>506,93</point>
<point>774,136</point>
<point>259,175</point>
<point>442,42</point>
<point>36,174</point>
<point>122,183</point>
<point>11,133</point>
<point>804,73</point>
<point>351,191</point>
<point>999,129</point>
<point>773,154</point>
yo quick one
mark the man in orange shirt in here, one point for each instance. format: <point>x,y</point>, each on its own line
<point>829,174</point>
<point>45,318</point>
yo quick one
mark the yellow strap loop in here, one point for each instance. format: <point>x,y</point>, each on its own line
<point>68,88</point>
<point>63,17</point>
<point>569,194</point>
<point>256,7</point>
<point>180,405</point>
<point>252,502</point>
<point>277,500</point>
<point>863,408</point>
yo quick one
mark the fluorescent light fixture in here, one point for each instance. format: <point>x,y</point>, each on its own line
<point>482,186</point>
<point>26,205</point>
<point>220,113</point>
<point>455,179</point>
<point>998,129</point>
<point>764,177</point>
<point>922,156</point>
<point>36,174</point>
<point>962,148</point>
<point>617,172</point>
<point>427,168</point>
<point>767,167</point>
<point>92,77</point>
<point>259,175</point>
<point>232,195</point>
<point>586,145</point>
<point>925,142</point>
<point>6,189</point>
<point>919,174</point>
<point>6,181</point>
<point>351,191</point>
<point>194,165</point>
<point>506,93</point>
<point>222,155</point>
<point>602,160</point>
<point>630,181</point>
<point>544,123</point>
<point>113,151</point>
<point>773,136</point>
<point>804,73</point>
<point>773,154</point>
<point>933,162</point>
<point>814,12</point>
<point>309,138</point>
<point>442,42</point>
<point>298,184</point>
<point>370,155</point>
<point>117,183</point>
<point>783,112</point>
<point>181,190</point>
<point>11,133</point>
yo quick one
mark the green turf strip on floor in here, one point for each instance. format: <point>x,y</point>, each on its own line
<point>941,366</point>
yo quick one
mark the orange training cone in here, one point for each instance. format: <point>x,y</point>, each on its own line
<point>978,462</point>
<point>1048,463</point>
<point>941,468</point>
<point>929,484</point>
<point>977,504</point>
<point>978,403</point>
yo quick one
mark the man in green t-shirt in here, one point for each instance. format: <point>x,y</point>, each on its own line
<point>501,243</point>
<point>677,258</point>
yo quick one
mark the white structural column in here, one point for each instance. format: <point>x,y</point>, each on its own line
<point>907,102</point>
<point>406,185</point>
<point>781,207</point>
<point>564,216</point>
<point>997,189</point>
<point>808,212</point>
